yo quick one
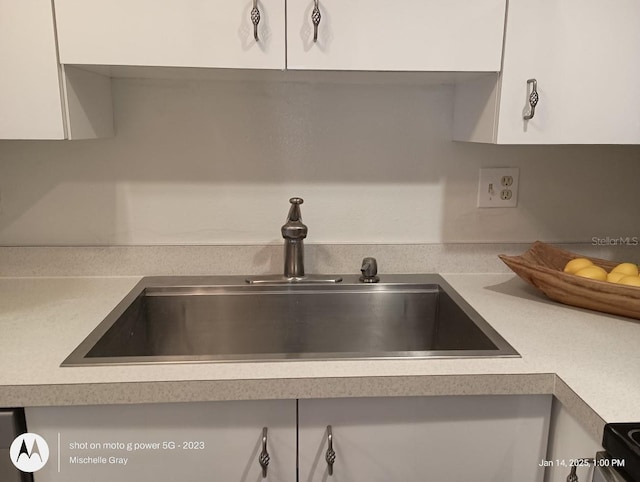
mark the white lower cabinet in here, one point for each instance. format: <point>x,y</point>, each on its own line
<point>212,441</point>
<point>444,439</point>
<point>568,441</point>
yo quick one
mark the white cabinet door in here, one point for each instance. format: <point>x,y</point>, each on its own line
<point>568,440</point>
<point>584,55</point>
<point>445,439</point>
<point>38,99</point>
<point>173,33</point>
<point>167,442</point>
<point>30,101</point>
<point>416,35</point>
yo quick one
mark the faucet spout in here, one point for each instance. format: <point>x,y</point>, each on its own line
<point>294,232</point>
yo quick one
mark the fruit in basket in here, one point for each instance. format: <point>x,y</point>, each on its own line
<point>630,281</point>
<point>592,272</point>
<point>629,269</point>
<point>614,277</point>
<point>585,268</point>
<point>577,264</point>
<point>542,266</point>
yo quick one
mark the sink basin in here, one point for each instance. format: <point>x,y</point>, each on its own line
<point>197,319</point>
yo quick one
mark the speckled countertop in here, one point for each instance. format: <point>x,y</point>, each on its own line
<point>589,361</point>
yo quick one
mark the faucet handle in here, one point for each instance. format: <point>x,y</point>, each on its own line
<point>294,228</point>
<point>294,210</point>
<point>369,271</point>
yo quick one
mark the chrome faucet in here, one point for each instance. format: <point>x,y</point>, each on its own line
<point>294,232</point>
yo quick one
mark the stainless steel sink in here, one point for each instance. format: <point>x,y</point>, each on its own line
<point>198,319</point>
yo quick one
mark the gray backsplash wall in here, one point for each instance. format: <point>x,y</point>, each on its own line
<point>268,259</point>
<point>214,162</point>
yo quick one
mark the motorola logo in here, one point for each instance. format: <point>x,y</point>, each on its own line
<point>29,452</point>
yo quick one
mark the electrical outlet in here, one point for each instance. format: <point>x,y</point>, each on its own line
<point>498,187</point>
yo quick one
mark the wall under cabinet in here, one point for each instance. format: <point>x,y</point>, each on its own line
<point>214,162</point>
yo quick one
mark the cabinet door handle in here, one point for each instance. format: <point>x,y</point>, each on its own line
<point>315,18</point>
<point>264,455</point>
<point>255,19</point>
<point>533,99</point>
<point>573,477</point>
<point>330,456</point>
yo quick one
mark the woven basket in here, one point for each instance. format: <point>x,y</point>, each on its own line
<point>542,266</point>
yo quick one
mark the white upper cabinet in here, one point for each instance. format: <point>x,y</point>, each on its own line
<point>30,102</point>
<point>585,58</point>
<point>411,35</point>
<point>39,99</point>
<point>172,33</point>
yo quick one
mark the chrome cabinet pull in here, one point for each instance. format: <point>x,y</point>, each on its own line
<point>572,477</point>
<point>533,99</point>
<point>330,456</point>
<point>315,18</point>
<point>264,455</point>
<point>255,19</point>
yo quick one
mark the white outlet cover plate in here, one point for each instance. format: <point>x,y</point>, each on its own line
<point>490,186</point>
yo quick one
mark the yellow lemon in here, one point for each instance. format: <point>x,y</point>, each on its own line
<point>629,269</point>
<point>630,280</point>
<point>614,276</point>
<point>592,272</point>
<point>577,264</point>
